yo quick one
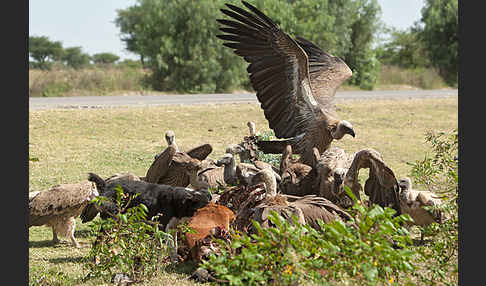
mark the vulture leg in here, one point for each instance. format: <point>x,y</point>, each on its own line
<point>55,239</point>
<point>71,233</point>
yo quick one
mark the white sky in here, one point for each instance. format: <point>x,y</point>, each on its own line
<point>90,23</point>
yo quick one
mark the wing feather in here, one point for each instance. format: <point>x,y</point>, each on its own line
<point>381,185</point>
<point>279,69</point>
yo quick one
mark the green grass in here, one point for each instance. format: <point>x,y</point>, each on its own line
<point>64,145</point>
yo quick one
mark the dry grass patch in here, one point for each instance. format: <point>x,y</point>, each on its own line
<point>64,145</point>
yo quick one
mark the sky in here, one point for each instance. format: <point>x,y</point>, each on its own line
<point>90,23</point>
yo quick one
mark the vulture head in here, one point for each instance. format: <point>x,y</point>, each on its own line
<point>342,128</point>
<point>235,149</point>
<point>252,127</point>
<point>226,160</point>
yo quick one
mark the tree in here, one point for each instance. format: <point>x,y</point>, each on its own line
<point>105,58</point>
<point>44,51</point>
<point>361,56</point>
<point>177,39</point>
<point>440,20</point>
<point>75,58</point>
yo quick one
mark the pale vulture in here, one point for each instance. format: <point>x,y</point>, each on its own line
<point>59,206</point>
<point>412,202</point>
<point>295,81</point>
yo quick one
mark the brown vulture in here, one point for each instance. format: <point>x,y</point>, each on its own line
<point>298,179</point>
<point>164,170</point>
<point>295,81</point>
<point>59,206</point>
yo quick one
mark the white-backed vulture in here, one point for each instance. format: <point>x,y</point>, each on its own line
<point>295,81</point>
<point>59,206</point>
<point>412,202</point>
<point>165,171</point>
<point>298,179</point>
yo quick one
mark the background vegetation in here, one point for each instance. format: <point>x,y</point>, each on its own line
<point>179,52</point>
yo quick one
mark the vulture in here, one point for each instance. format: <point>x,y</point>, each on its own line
<point>298,179</point>
<point>242,173</point>
<point>308,209</point>
<point>170,201</point>
<point>167,172</point>
<point>295,81</point>
<point>59,206</point>
<point>201,174</point>
<point>412,203</point>
<point>337,169</point>
<point>381,186</point>
<point>331,168</point>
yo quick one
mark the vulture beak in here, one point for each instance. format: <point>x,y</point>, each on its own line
<point>351,132</point>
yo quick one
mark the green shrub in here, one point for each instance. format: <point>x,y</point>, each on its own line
<point>369,250</point>
<point>438,173</point>
<point>126,243</point>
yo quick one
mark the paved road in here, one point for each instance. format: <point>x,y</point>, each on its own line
<point>36,103</point>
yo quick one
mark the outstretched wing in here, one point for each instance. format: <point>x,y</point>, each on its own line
<point>160,166</point>
<point>279,69</point>
<point>200,152</point>
<point>381,186</point>
<point>60,200</point>
<point>326,72</point>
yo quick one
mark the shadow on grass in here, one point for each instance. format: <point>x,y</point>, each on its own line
<point>76,259</point>
<point>83,233</point>
<point>186,268</point>
<point>41,243</point>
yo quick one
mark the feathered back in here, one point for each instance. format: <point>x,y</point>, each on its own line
<point>60,200</point>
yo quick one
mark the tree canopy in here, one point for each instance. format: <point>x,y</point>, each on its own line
<point>44,51</point>
<point>440,20</point>
<point>177,39</point>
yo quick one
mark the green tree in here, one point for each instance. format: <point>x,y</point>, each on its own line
<point>177,39</point>
<point>44,51</point>
<point>405,49</point>
<point>105,58</point>
<point>440,19</point>
<point>361,57</point>
<point>75,58</point>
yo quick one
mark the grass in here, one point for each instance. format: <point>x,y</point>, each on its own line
<point>122,80</point>
<point>64,145</point>
<point>88,81</point>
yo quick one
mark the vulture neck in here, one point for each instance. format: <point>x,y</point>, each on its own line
<point>270,183</point>
<point>230,169</point>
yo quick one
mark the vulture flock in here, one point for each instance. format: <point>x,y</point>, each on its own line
<point>295,82</point>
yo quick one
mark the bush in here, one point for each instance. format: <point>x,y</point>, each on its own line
<point>370,249</point>
<point>438,173</point>
<point>125,243</point>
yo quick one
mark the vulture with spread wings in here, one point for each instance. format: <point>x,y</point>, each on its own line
<point>295,81</point>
